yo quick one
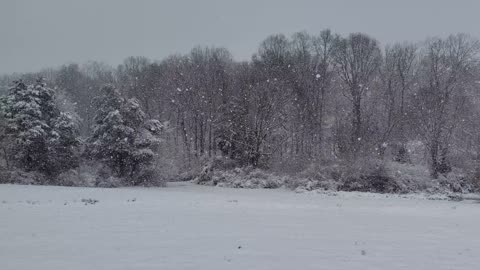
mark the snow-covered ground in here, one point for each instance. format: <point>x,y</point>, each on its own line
<point>185,226</point>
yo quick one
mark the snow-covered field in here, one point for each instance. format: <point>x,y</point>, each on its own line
<point>185,226</point>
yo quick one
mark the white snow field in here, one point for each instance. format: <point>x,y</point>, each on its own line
<point>184,226</point>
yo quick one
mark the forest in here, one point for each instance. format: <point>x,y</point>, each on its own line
<point>307,111</point>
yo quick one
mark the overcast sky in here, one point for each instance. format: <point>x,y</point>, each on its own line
<point>47,33</point>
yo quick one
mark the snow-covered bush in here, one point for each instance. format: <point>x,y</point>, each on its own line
<point>206,175</point>
<point>83,176</point>
<point>22,178</point>
<point>105,179</point>
<point>377,181</point>
<point>217,164</point>
<point>308,184</point>
<point>370,175</point>
<point>324,170</point>
<point>150,177</point>
<point>108,182</point>
<point>366,176</point>
<point>321,175</point>
<point>378,176</point>
<point>239,178</point>
<point>415,178</point>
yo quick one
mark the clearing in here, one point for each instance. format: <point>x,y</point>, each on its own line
<point>185,226</point>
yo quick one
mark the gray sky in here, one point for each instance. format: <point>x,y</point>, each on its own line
<point>47,33</point>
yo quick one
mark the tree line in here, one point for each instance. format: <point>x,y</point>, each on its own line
<point>299,100</point>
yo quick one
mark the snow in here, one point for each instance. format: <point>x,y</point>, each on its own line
<point>186,226</point>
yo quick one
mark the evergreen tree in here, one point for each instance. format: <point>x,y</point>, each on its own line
<point>64,143</point>
<point>123,140</point>
<point>44,139</point>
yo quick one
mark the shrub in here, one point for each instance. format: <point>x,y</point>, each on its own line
<point>371,176</point>
<point>23,178</point>
<point>371,183</point>
<point>239,178</point>
<point>83,176</point>
<point>149,177</point>
<point>109,182</point>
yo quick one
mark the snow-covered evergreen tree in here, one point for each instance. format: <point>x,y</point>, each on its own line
<point>63,146</point>
<point>44,139</point>
<point>123,140</point>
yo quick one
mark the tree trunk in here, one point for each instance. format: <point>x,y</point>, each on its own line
<point>356,124</point>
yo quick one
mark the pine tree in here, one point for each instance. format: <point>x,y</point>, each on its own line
<point>64,143</point>
<point>44,139</point>
<point>123,140</point>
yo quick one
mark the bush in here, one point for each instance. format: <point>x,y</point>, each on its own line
<point>105,179</point>
<point>416,178</point>
<point>402,155</point>
<point>371,183</point>
<point>206,175</point>
<point>83,176</point>
<point>4,177</point>
<point>324,171</point>
<point>22,178</point>
<point>257,174</point>
<point>305,184</point>
<point>375,176</point>
<point>239,178</point>
<point>150,178</point>
<point>109,182</point>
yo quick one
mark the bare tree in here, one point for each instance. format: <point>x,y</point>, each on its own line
<point>324,46</point>
<point>446,71</point>
<point>397,75</point>
<point>358,58</point>
<point>132,75</point>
